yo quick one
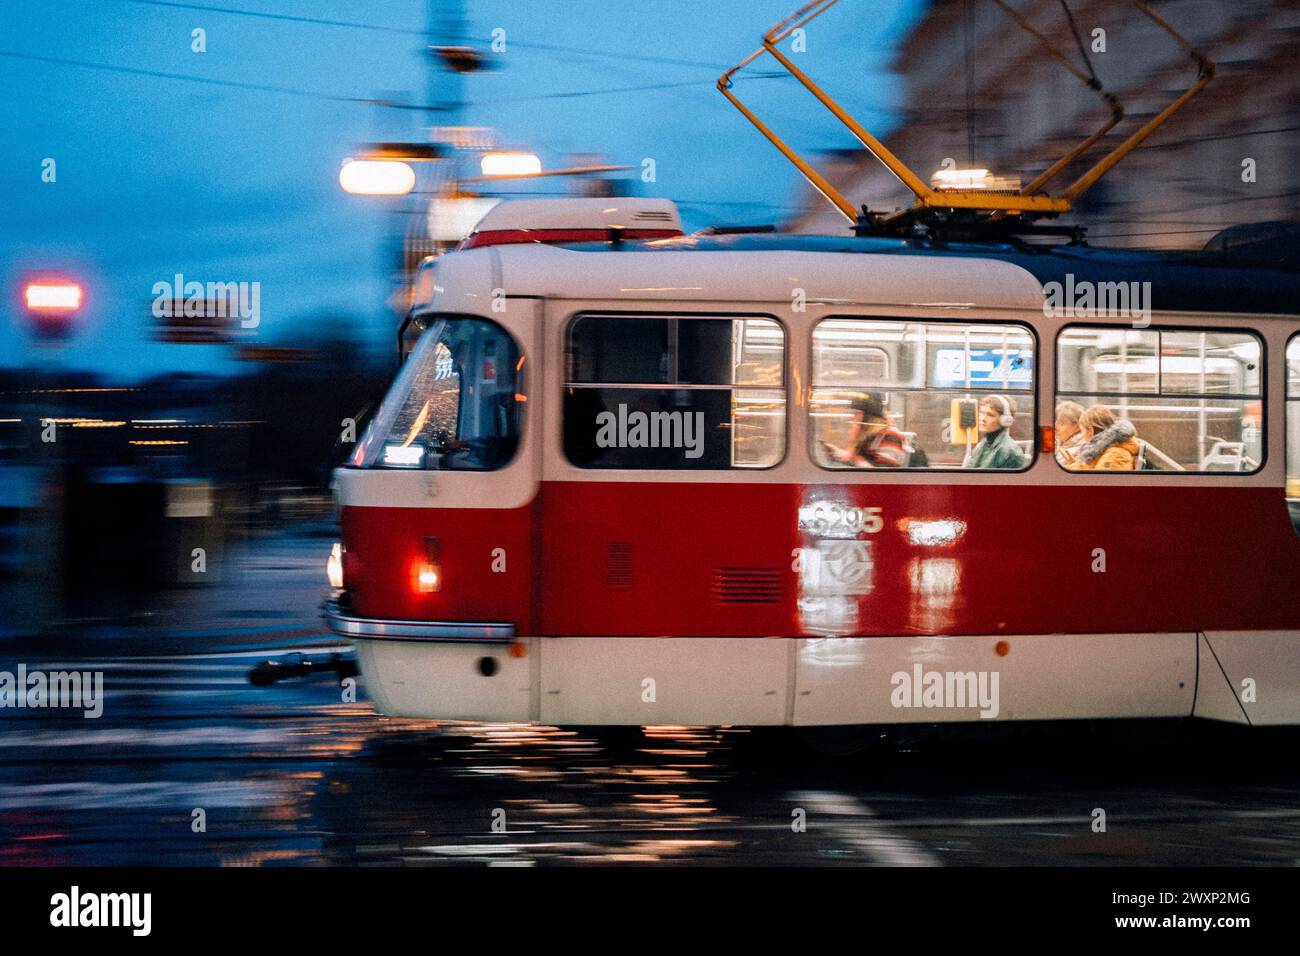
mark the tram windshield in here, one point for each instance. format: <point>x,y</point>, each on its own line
<point>455,404</point>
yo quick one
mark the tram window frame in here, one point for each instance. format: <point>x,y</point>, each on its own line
<point>1261,398</point>
<point>1031,392</point>
<point>567,383</point>
<point>362,459</point>
<point>1291,418</point>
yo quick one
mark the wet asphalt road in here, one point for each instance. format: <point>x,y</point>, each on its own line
<point>292,774</point>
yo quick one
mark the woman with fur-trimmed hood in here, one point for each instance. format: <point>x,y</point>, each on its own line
<point>1108,444</point>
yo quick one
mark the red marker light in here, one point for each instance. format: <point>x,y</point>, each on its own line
<point>427,573</point>
<point>426,580</point>
<point>51,297</point>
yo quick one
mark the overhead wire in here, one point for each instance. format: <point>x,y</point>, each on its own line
<point>411,31</point>
<point>215,81</point>
<point>1083,49</point>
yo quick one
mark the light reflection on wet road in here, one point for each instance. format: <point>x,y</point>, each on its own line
<point>290,775</point>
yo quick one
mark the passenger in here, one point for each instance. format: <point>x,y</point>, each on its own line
<point>1108,444</point>
<point>1068,434</point>
<point>997,449</point>
<point>873,442</point>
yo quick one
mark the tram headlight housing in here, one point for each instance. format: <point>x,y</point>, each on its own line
<point>334,566</point>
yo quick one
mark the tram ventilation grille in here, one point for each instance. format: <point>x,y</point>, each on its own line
<point>748,585</point>
<point>618,565</point>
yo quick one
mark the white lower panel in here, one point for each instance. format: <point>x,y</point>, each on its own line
<point>1260,669</point>
<point>811,682</point>
<point>663,680</point>
<point>1039,677</point>
<point>427,679</point>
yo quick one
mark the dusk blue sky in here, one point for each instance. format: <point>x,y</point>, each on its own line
<point>158,175</point>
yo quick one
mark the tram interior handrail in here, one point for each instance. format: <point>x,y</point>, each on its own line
<point>1151,451</point>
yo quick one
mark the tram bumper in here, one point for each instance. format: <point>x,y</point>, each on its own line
<point>462,670</point>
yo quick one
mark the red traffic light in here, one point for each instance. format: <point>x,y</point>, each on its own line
<point>53,297</point>
<point>52,303</point>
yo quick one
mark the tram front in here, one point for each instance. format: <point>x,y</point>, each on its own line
<point>432,577</point>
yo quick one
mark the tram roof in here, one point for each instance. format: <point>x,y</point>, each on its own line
<point>1181,280</point>
<point>765,268</point>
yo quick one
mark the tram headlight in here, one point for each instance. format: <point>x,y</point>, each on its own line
<point>334,566</point>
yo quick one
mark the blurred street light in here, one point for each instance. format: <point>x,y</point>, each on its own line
<point>510,164</point>
<point>377,177</point>
<point>52,303</point>
<point>538,174</point>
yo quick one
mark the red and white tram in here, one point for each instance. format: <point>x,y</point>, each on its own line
<point>609,484</point>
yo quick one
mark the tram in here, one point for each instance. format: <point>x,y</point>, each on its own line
<point>922,475</point>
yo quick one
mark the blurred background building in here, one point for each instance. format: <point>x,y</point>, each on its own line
<point>981,91</point>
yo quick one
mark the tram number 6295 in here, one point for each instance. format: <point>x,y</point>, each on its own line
<point>834,520</point>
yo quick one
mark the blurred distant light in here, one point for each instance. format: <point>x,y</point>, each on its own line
<point>51,297</point>
<point>376,177</point>
<point>510,164</point>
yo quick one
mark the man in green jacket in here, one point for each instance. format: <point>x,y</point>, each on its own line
<point>997,449</point>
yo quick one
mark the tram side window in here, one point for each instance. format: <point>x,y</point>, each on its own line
<point>652,392</point>
<point>917,395</point>
<point>1293,426</point>
<point>1159,399</point>
<point>455,406</point>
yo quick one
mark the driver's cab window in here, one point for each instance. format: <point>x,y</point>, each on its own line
<point>456,403</point>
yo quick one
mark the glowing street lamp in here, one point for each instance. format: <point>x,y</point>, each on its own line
<point>377,177</point>
<point>510,164</point>
<point>52,304</point>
